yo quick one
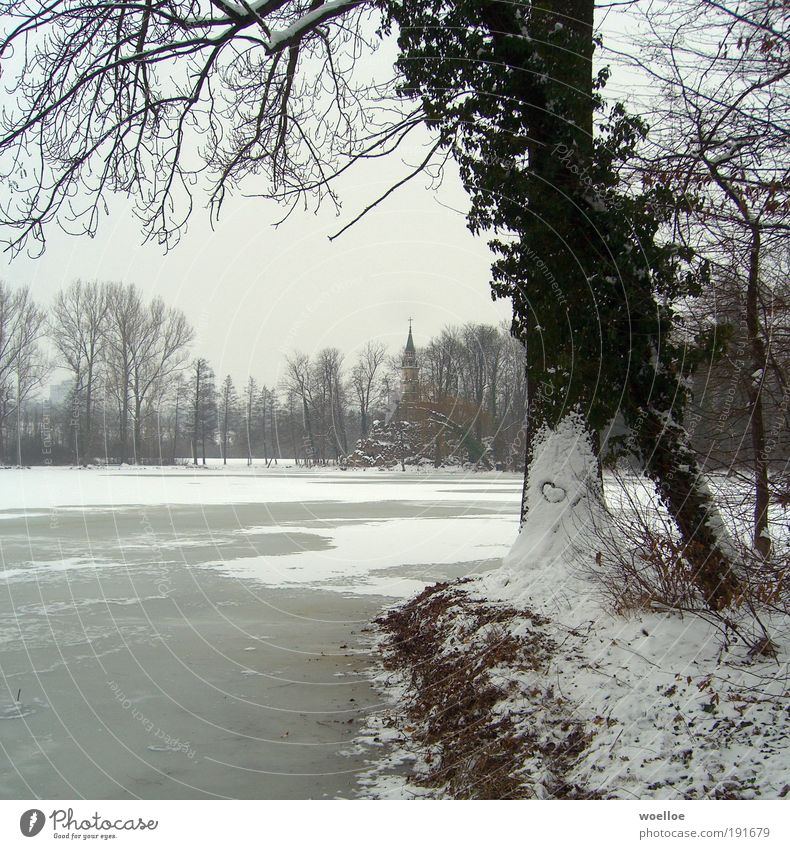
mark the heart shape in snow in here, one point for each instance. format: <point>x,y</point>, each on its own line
<point>553,494</point>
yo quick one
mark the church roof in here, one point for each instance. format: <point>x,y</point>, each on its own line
<point>410,349</point>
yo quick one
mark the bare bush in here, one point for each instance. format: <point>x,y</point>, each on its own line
<point>641,563</point>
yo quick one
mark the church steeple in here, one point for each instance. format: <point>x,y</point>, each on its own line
<point>410,349</point>
<point>410,375</point>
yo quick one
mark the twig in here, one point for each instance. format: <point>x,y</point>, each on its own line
<point>418,170</point>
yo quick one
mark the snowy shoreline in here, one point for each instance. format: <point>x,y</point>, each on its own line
<point>656,706</point>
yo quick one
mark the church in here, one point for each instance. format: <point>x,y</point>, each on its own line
<point>409,378</point>
<point>420,429</point>
<point>402,401</point>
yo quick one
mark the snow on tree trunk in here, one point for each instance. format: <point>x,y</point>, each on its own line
<point>563,496</point>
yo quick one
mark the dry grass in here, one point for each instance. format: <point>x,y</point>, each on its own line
<point>461,663</point>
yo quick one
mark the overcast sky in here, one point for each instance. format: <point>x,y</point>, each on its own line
<point>255,293</point>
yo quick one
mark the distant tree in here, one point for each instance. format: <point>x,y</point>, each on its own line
<point>125,326</point>
<point>481,347</point>
<point>512,404</point>
<point>31,370</point>
<point>263,401</point>
<point>78,327</point>
<point>366,380</point>
<point>22,366</point>
<point>249,400</point>
<point>228,410</point>
<point>298,383</point>
<point>292,401</point>
<point>179,393</point>
<point>329,401</point>
<point>273,405</point>
<point>203,403</point>
<point>266,407</point>
<point>441,364</point>
<point>158,351</point>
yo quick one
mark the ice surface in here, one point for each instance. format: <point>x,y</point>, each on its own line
<point>180,633</point>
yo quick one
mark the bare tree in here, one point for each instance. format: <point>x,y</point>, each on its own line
<point>250,397</point>
<point>479,364</point>
<point>22,366</point>
<point>178,394</point>
<point>441,361</point>
<point>126,319</point>
<point>263,400</point>
<point>267,410</point>
<point>297,383</point>
<point>329,401</point>
<point>204,407</point>
<point>721,132</point>
<point>228,401</point>
<point>158,351</point>
<point>78,327</point>
<point>141,98</point>
<point>366,380</point>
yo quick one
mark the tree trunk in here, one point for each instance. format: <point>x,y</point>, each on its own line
<point>196,419</point>
<point>276,452</point>
<point>755,382</point>
<point>342,427</point>
<point>18,419</point>
<point>137,431</point>
<point>309,443</point>
<point>672,465</point>
<point>558,239</point>
<point>174,447</point>
<point>124,424</point>
<point>249,427</point>
<point>225,436</point>
<point>263,431</point>
<point>292,430</point>
<point>74,423</point>
<point>88,446</point>
<point>557,221</point>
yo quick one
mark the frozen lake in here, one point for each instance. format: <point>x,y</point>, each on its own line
<point>188,633</point>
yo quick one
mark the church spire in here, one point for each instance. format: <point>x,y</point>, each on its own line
<point>410,376</point>
<point>410,349</point>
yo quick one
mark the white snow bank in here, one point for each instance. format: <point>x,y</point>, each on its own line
<point>563,498</point>
<point>675,705</point>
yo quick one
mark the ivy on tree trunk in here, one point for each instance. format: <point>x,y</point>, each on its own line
<point>509,89</point>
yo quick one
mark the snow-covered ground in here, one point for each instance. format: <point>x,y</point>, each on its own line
<point>197,632</point>
<point>656,703</point>
<point>205,632</point>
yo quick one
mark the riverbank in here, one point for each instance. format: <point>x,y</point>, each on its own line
<point>549,696</point>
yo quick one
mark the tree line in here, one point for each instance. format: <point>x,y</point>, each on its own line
<point>136,392</point>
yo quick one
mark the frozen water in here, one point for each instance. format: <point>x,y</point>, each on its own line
<point>182,634</point>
